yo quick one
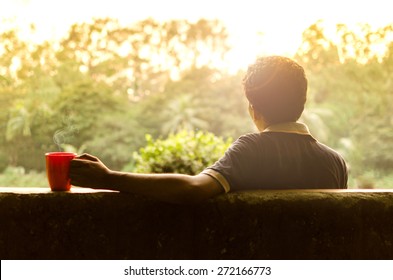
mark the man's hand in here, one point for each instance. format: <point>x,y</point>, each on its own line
<point>88,171</point>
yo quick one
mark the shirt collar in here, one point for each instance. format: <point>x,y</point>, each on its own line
<point>289,127</point>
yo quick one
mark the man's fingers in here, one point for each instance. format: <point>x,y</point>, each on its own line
<point>77,163</point>
<point>81,163</point>
<point>87,157</point>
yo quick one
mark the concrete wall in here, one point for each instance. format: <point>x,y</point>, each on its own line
<point>252,225</point>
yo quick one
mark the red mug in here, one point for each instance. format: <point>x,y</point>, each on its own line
<point>58,170</point>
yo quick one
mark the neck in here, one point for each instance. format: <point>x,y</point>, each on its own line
<point>261,124</point>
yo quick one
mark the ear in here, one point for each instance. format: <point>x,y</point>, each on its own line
<point>254,114</point>
<point>251,111</point>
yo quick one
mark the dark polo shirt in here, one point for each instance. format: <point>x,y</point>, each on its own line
<point>283,156</point>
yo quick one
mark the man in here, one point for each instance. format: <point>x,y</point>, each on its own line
<point>282,155</point>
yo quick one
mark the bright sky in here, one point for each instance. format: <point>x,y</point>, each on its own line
<point>279,23</point>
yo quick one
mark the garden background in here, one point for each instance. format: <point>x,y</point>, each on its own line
<point>113,89</point>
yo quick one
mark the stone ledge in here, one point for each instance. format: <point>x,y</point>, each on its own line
<point>303,224</point>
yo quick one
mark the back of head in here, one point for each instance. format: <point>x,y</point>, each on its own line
<point>276,87</point>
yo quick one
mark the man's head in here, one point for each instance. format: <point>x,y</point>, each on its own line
<point>276,88</point>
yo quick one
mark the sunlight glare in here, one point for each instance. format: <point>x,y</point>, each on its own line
<point>255,27</point>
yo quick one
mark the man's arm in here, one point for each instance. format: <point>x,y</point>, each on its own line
<point>89,171</point>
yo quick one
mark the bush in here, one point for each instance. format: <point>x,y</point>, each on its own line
<point>3,161</point>
<point>18,177</point>
<point>184,152</point>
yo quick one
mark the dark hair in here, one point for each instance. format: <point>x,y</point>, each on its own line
<point>276,87</point>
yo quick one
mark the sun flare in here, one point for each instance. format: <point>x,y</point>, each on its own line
<point>255,28</point>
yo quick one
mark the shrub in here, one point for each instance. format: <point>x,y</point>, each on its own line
<point>17,176</point>
<point>3,161</point>
<point>185,152</point>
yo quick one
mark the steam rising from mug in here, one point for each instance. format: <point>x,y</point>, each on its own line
<point>59,139</point>
<point>62,136</point>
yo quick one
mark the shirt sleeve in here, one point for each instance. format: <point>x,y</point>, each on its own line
<point>235,169</point>
<point>217,176</point>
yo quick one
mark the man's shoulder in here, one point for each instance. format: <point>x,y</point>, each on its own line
<point>330,151</point>
<point>250,139</point>
<point>280,140</point>
<point>250,136</point>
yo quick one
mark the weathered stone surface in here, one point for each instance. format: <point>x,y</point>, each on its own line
<point>251,225</point>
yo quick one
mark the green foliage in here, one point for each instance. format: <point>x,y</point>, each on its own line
<point>3,161</point>
<point>372,179</point>
<point>116,135</point>
<point>18,177</point>
<point>205,99</point>
<point>87,91</point>
<point>184,152</point>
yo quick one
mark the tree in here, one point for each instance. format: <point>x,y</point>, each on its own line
<point>84,90</point>
<point>183,113</point>
<point>203,98</point>
<point>140,58</point>
<point>27,88</point>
